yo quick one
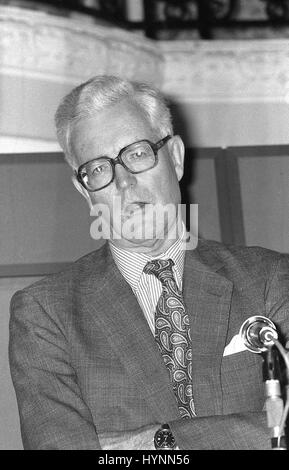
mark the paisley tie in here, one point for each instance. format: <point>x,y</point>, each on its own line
<point>172,333</point>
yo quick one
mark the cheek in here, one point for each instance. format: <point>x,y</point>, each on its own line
<point>161,185</point>
<point>167,185</point>
<point>101,197</point>
<point>101,206</point>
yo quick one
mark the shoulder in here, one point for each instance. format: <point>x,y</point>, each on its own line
<point>254,259</point>
<point>67,281</point>
<point>239,251</point>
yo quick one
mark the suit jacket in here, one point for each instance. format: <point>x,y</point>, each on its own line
<point>84,361</point>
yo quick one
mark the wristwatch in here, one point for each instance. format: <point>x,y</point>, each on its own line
<point>164,438</point>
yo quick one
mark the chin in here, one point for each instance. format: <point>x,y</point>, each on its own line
<point>138,242</point>
<point>151,246</point>
<point>156,242</point>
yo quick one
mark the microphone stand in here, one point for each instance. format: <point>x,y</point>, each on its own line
<point>260,335</point>
<point>274,403</point>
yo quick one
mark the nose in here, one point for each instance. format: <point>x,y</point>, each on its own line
<point>123,178</point>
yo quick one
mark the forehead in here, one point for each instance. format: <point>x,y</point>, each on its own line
<point>105,132</point>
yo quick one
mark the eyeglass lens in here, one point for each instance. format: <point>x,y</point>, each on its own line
<point>136,158</point>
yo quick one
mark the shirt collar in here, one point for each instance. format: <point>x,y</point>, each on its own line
<point>131,264</point>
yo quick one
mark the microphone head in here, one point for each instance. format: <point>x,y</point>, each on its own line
<point>266,335</point>
<point>258,333</point>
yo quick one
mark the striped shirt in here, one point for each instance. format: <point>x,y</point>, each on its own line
<point>146,287</point>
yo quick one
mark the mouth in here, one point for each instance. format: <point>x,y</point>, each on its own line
<point>134,206</point>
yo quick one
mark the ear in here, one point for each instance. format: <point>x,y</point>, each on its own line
<point>82,191</point>
<point>177,152</point>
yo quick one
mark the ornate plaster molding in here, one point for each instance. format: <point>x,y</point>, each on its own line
<point>227,70</point>
<point>41,45</point>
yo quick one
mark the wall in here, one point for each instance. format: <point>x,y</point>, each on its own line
<point>229,92</point>
<point>224,93</point>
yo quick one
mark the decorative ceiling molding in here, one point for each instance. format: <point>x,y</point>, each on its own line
<point>68,50</point>
<point>227,70</point>
<point>40,45</point>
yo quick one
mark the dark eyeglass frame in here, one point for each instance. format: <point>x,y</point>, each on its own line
<point>118,160</point>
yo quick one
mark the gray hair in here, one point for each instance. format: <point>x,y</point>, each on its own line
<point>102,91</point>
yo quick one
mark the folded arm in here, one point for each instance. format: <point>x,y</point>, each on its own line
<point>54,415</point>
<point>52,412</point>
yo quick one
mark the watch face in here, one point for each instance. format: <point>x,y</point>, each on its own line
<point>164,439</point>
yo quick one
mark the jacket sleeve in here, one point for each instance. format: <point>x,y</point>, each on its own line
<point>52,412</point>
<point>244,431</point>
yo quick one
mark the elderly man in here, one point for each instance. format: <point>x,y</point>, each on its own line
<point>131,347</point>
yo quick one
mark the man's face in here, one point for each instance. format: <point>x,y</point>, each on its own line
<point>105,134</point>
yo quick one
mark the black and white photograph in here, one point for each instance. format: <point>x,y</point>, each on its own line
<point>144,227</point>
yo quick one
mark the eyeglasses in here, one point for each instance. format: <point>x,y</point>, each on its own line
<point>136,158</point>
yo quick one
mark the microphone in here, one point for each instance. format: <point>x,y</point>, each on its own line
<point>258,333</point>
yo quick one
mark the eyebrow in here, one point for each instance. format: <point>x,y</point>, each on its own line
<point>122,148</point>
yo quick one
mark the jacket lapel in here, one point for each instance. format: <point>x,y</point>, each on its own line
<point>207,296</point>
<point>130,337</point>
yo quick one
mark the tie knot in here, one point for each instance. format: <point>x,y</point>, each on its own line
<point>161,268</point>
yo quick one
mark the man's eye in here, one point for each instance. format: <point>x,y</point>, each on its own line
<point>98,170</point>
<point>138,154</point>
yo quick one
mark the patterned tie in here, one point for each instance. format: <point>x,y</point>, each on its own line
<point>172,333</point>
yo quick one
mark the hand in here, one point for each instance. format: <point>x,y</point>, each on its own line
<point>140,439</point>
